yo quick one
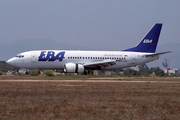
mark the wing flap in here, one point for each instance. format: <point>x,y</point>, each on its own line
<point>104,63</point>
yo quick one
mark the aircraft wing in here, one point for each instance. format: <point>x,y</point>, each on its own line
<point>154,54</point>
<point>104,63</point>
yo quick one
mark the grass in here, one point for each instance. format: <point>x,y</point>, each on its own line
<point>49,72</point>
<point>34,72</point>
<point>94,100</point>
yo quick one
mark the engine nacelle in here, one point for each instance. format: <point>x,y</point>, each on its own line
<point>73,68</point>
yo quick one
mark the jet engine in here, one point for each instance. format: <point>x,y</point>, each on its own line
<point>73,68</point>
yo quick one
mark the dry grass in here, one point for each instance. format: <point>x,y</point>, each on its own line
<point>90,100</point>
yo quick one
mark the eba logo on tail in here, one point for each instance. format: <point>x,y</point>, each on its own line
<point>147,41</point>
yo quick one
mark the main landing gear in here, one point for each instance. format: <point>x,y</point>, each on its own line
<point>88,72</point>
<point>27,73</point>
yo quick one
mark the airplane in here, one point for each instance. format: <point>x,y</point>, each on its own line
<point>77,61</point>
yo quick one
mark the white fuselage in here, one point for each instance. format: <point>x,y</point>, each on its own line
<point>56,59</point>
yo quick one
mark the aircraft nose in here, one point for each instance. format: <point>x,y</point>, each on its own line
<point>11,61</point>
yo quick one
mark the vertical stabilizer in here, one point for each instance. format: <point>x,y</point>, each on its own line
<point>149,42</point>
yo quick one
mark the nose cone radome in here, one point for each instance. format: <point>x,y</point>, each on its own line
<point>11,61</point>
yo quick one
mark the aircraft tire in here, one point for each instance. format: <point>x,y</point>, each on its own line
<point>27,73</point>
<point>85,73</point>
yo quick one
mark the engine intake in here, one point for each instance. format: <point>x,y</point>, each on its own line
<point>73,68</point>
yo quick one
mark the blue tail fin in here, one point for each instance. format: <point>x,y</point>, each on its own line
<point>149,42</point>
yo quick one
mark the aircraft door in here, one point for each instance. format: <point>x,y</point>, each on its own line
<point>133,58</point>
<point>33,57</point>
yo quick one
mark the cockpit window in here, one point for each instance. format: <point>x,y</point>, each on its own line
<point>19,56</point>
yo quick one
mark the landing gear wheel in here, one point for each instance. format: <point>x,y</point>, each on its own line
<point>85,73</point>
<point>27,73</point>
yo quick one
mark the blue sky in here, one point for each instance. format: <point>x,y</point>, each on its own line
<point>85,24</point>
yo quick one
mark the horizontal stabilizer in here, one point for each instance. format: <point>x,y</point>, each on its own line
<point>154,54</point>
